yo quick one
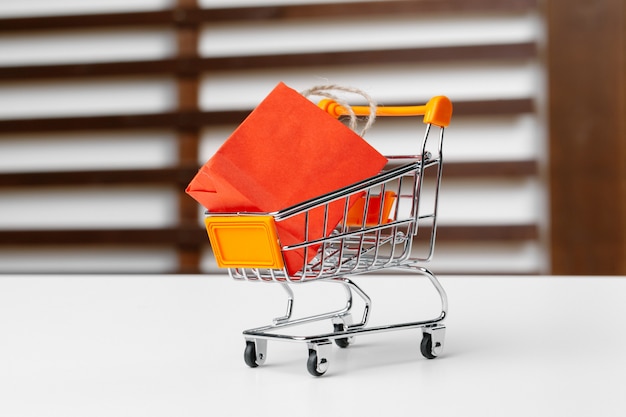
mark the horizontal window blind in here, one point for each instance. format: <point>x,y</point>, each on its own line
<point>107,112</point>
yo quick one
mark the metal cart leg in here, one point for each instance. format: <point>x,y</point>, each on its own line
<point>433,279</point>
<point>341,324</point>
<point>351,287</point>
<point>290,297</point>
<point>433,335</point>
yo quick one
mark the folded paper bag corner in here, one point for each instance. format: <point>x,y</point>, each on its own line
<point>286,151</point>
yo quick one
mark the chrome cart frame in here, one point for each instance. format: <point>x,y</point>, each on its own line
<point>376,235</point>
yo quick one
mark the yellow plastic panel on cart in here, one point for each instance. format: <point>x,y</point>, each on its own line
<point>244,242</point>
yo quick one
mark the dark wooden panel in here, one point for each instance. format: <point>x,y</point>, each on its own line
<point>497,107</point>
<point>189,16</point>
<point>190,65</point>
<point>170,120</point>
<point>102,69</point>
<point>587,129</point>
<point>384,56</point>
<point>188,88</point>
<point>182,175</point>
<point>402,7</point>
<point>496,169</point>
<point>195,119</point>
<point>477,233</point>
<point>117,237</point>
<point>483,273</point>
<point>88,21</point>
<point>196,235</point>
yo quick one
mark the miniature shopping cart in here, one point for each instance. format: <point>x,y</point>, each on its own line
<point>382,216</point>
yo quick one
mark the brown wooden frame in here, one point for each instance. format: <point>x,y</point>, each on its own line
<point>586,64</point>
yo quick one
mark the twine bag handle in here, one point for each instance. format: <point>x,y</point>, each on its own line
<point>326,91</point>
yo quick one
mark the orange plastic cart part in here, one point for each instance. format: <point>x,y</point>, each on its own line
<point>244,242</point>
<point>438,110</point>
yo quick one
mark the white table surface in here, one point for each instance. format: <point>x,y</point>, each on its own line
<point>172,346</point>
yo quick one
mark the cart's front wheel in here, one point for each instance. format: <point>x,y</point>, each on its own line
<point>249,355</point>
<point>427,346</point>
<point>432,341</point>
<point>255,352</point>
<point>316,366</point>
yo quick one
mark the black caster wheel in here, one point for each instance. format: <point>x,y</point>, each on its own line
<point>314,366</point>
<point>249,355</point>
<point>427,346</point>
<point>343,342</point>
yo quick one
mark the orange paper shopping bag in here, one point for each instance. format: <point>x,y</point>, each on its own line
<point>286,151</point>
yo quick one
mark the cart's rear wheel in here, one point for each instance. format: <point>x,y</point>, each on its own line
<point>314,366</point>
<point>249,355</point>
<point>427,346</point>
<point>343,342</point>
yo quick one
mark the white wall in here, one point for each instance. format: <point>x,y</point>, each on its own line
<point>480,138</point>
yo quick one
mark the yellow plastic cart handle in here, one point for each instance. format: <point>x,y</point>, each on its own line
<point>438,110</point>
